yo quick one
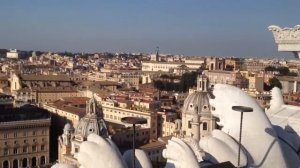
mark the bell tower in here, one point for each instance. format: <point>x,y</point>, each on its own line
<point>155,57</point>
<point>202,83</point>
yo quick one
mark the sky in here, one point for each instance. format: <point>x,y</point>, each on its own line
<point>190,27</point>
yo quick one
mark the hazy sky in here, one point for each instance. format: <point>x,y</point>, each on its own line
<point>191,27</point>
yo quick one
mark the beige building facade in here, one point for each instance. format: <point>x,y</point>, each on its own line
<point>289,84</point>
<point>152,66</point>
<point>25,142</point>
<point>233,64</point>
<point>256,83</point>
<point>234,78</point>
<point>113,113</point>
<point>214,63</point>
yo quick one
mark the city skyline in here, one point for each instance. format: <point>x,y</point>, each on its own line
<point>191,28</point>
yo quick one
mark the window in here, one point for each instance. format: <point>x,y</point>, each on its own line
<point>24,134</point>
<point>205,126</point>
<point>5,135</point>
<point>15,134</point>
<point>189,124</point>
<point>15,150</point>
<point>33,133</point>
<point>25,149</point>
<point>24,162</point>
<point>5,164</point>
<point>15,163</point>
<point>33,162</point>
<point>42,147</point>
<point>34,148</point>
<point>5,152</point>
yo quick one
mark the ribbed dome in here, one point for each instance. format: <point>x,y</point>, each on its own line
<point>92,122</point>
<point>196,103</point>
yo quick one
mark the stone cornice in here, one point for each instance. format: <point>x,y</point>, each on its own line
<point>286,35</point>
<point>26,124</point>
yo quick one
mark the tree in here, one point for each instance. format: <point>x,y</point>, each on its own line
<point>168,86</point>
<point>270,68</point>
<point>187,81</point>
<point>274,82</point>
<point>158,84</point>
<point>165,76</point>
<point>283,70</point>
<point>267,87</point>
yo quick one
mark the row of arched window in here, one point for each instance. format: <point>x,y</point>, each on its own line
<point>24,162</point>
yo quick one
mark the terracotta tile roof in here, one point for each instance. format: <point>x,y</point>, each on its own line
<point>69,106</point>
<point>99,83</point>
<point>49,89</point>
<point>32,77</point>
<point>74,110</point>
<point>75,100</point>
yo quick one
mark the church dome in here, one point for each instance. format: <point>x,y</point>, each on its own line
<point>196,103</point>
<point>89,125</point>
<point>92,122</point>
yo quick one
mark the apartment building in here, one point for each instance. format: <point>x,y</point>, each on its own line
<point>24,137</point>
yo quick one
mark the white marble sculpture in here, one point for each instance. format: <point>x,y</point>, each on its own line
<point>286,121</point>
<point>142,159</point>
<point>102,152</point>
<point>179,155</point>
<point>260,140</point>
<point>283,115</point>
<point>287,39</point>
<point>263,145</point>
<point>221,148</point>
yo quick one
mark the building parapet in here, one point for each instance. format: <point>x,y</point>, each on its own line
<point>25,123</point>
